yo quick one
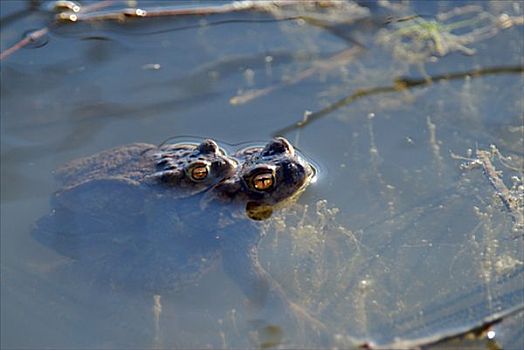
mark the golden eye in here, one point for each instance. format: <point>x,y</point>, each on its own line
<point>263,182</point>
<point>199,172</point>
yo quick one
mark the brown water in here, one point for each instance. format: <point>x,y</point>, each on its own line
<point>418,246</point>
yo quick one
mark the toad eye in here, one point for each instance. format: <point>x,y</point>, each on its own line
<point>199,172</point>
<point>263,182</point>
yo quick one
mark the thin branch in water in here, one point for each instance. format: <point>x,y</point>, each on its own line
<point>399,84</point>
<point>28,39</point>
<point>234,6</point>
<point>40,33</point>
<point>71,12</point>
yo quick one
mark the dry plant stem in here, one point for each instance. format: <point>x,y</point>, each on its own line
<point>97,6</point>
<point>235,6</point>
<point>37,34</point>
<point>340,59</point>
<point>87,13</point>
<point>399,84</point>
<point>25,41</point>
<point>502,191</point>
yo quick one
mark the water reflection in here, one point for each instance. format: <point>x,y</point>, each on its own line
<point>395,241</point>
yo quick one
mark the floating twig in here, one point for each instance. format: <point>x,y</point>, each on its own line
<point>234,6</point>
<point>72,8</point>
<point>399,84</point>
<point>72,12</point>
<point>28,39</point>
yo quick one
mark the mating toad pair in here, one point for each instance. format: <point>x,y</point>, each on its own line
<point>152,218</point>
<point>256,176</point>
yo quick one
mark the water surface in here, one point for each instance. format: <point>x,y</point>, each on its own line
<point>417,247</point>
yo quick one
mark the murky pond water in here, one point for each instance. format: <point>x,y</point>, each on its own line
<point>401,240</point>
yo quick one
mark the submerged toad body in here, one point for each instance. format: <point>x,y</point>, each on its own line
<point>151,218</point>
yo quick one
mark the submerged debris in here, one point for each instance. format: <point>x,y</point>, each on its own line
<point>416,39</point>
<point>513,197</point>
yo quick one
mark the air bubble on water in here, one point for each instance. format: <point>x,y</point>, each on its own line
<point>151,66</point>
